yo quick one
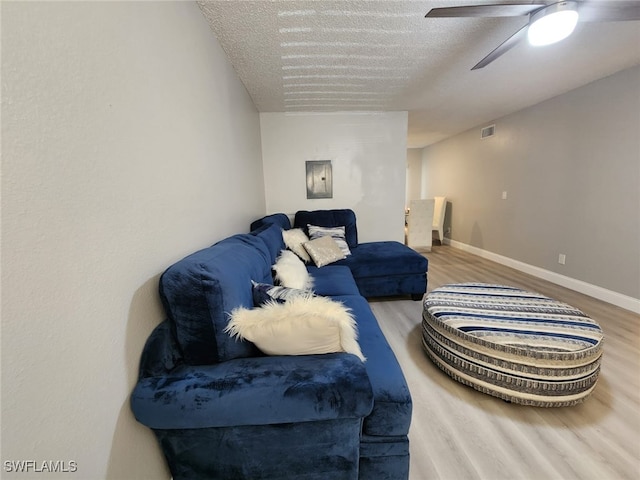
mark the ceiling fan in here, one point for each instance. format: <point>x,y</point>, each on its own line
<point>549,21</point>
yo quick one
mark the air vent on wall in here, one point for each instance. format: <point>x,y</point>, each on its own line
<point>488,131</point>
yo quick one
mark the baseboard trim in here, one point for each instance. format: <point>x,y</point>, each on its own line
<point>618,299</point>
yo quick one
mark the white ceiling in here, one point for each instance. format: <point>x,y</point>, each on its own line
<point>376,55</point>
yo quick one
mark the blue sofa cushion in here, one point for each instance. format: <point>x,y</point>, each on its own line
<point>329,218</point>
<point>377,259</point>
<point>391,414</point>
<point>271,235</point>
<point>279,219</point>
<point>199,291</point>
<point>255,391</point>
<point>333,280</point>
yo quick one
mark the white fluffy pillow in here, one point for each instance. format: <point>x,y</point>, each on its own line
<point>291,272</point>
<point>294,240</point>
<point>301,326</point>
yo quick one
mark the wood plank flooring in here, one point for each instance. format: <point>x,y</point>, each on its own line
<point>458,433</point>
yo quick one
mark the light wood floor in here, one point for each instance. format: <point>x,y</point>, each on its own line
<point>458,433</point>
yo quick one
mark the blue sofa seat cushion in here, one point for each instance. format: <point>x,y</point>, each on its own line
<point>255,391</point>
<point>333,280</point>
<point>391,414</point>
<point>199,291</point>
<point>329,218</point>
<point>377,259</point>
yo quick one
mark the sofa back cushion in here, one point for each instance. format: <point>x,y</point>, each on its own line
<point>271,235</point>
<point>200,291</point>
<point>329,218</point>
<point>280,219</point>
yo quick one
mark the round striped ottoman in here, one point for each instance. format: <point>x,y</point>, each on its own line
<point>517,345</point>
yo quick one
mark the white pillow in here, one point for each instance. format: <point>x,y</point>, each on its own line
<point>294,239</point>
<point>301,326</point>
<point>291,272</point>
<point>324,250</point>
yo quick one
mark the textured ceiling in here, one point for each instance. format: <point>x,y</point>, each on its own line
<point>375,55</point>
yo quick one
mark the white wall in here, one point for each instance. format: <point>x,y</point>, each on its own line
<point>127,142</point>
<point>571,170</point>
<point>368,153</point>
<point>414,175</point>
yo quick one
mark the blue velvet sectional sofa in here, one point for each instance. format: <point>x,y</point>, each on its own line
<point>380,269</point>
<point>221,409</point>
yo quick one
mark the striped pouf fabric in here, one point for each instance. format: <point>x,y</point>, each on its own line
<point>517,345</point>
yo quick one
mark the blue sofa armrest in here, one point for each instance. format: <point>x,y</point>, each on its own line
<point>255,391</point>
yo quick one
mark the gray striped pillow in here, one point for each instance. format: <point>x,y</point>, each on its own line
<point>337,233</point>
<point>264,292</point>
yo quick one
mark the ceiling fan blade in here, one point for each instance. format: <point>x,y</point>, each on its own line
<point>514,9</point>
<point>503,48</point>
<point>608,11</point>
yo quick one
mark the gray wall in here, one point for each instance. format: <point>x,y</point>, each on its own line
<point>571,170</point>
<point>127,142</point>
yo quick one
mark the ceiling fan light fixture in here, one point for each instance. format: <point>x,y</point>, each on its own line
<point>553,23</point>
